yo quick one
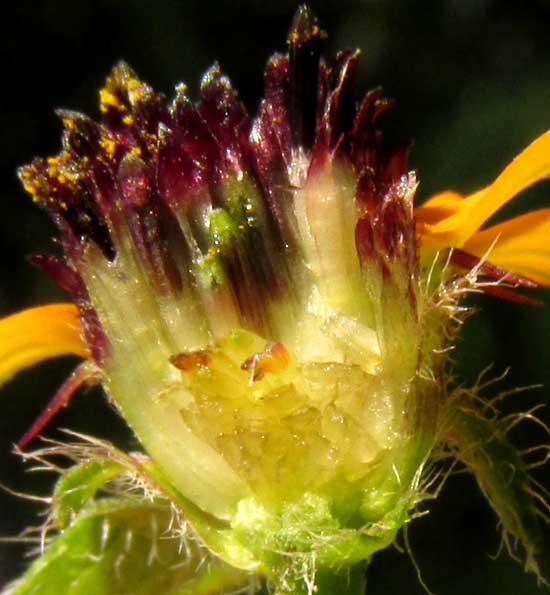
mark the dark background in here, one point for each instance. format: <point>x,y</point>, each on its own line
<point>472,83</point>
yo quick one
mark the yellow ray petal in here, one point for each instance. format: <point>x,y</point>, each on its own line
<point>36,334</point>
<point>521,245</point>
<point>447,219</point>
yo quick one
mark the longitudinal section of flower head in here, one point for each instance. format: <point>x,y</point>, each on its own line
<point>250,286</point>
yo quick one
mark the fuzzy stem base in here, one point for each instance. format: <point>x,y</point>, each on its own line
<point>346,581</point>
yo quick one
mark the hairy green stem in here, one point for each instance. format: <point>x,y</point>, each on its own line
<point>352,581</point>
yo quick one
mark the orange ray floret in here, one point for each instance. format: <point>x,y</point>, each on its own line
<point>450,220</point>
<point>37,334</point>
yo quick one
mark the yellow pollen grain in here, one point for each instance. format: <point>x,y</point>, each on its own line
<point>298,38</point>
<point>108,145</point>
<point>108,99</point>
<point>135,90</point>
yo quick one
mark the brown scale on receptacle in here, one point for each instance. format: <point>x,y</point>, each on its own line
<point>274,358</point>
<point>189,360</point>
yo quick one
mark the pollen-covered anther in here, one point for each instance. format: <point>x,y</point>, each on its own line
<point>274,358</point>
<point>186,361</point>
<point>305,27</point>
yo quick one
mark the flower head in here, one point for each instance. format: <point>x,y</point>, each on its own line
<point>269,312</point>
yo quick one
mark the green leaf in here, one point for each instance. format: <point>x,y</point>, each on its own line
<point>122,546</point>
<point>77,486</point>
